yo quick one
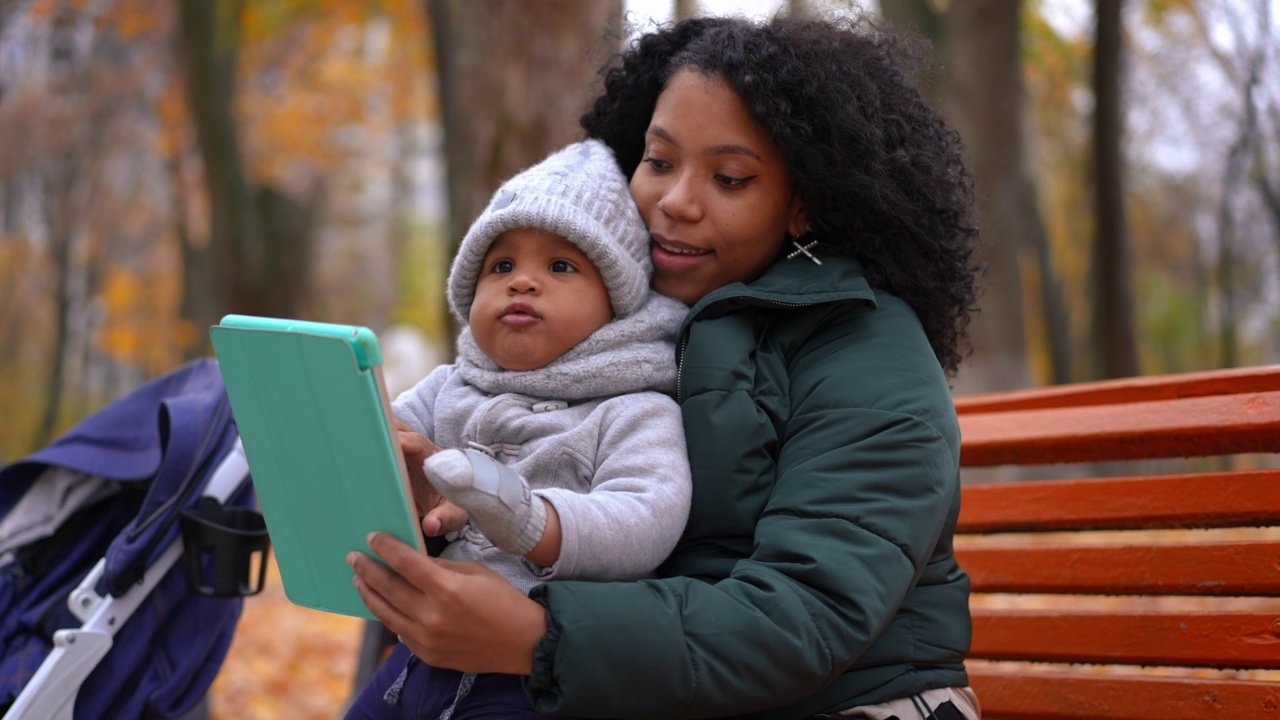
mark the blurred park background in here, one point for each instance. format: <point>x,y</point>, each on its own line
<point>162,164</point>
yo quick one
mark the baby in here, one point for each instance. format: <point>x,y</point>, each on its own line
<point>565,446</point>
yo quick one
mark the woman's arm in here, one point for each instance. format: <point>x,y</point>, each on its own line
<point>820,586</point>
<point>450,614</point>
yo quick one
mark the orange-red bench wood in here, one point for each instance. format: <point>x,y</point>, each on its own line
<point>1213,640</point>
<point>1185,427</point>
<point>1107,612</point>
<point>1127,390</point>
<point>1222,499</point>
<point>1220,568</point>
<point>1060,696</point>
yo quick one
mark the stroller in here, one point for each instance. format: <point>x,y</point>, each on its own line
<point>98,616</point>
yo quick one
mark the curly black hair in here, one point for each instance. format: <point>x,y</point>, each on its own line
<point>879,169</point>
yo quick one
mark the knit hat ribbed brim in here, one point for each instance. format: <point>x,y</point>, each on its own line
<point>580,194</point>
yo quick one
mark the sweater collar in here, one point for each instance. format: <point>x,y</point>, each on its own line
<point>627,355</point>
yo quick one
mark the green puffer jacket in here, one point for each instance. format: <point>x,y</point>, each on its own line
<point>816,571</point>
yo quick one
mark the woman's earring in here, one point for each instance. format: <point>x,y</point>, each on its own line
<point>804,249</point>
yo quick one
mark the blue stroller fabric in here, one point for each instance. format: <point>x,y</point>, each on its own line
<point>161,444</point>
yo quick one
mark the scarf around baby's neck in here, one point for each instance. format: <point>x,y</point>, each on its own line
<point>624,356</point>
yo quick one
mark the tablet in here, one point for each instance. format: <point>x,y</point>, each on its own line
<point>313,415</point>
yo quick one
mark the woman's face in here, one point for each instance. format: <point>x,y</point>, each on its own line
<point>712,188</point>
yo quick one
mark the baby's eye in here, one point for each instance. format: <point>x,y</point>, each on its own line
<point>504,266</point>
<point>562,266</point>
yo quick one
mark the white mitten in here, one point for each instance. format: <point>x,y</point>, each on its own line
<point>497,498</point>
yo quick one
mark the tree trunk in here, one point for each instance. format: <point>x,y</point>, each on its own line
<point>199,303</point>
<point>1113,309</point>
<point>79,118</point>
<point>260,238</point>
<point>983,95</point>
<point>981,89</point>
<point>1246,158</point>
<point>208,45</point>
<point>515,78</point>
<point>1057,327</point>
<point>57,194</point>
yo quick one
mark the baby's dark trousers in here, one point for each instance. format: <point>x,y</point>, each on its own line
<point>407,688</point>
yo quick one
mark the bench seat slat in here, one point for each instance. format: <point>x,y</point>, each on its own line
<point>1127,390</point>
<point>1221,568</point>
<point>1188,427</point>
<point>1006,695</point>
<point>1219,499</point>
<point>1223,639</point>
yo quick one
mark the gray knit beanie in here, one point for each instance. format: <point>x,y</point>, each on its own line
<point>580,194</point>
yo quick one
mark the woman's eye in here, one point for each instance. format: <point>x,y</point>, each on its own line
<point>655,163</point>
<point>734,182</point>
<point>504,266</point>
<point>561,266</point>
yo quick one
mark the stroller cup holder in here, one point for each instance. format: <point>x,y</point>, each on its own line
<point>220,545</point>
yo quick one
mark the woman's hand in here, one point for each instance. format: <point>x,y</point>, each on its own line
<point>438,515</point>
<point>457,615</point>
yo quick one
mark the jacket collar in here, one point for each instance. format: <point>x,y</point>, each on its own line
<point>795,281</point>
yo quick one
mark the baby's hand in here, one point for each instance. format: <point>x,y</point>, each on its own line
<point>494,494</point>
<point>443,518</point>
<point>416,448</point>
<point>438,516</point>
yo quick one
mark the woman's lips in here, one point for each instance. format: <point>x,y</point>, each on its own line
<point>675,256</point>
<point>518,314</point>
<point>675,247</point>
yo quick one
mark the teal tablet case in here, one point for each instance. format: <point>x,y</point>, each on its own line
<point>313,415</point>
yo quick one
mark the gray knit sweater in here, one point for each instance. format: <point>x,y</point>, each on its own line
<point>610,458</point>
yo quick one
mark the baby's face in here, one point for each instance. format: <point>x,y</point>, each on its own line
<point>537,296</point>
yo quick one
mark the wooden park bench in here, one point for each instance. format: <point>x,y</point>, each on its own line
<point>1150,594</point>
<point>1118,597</point>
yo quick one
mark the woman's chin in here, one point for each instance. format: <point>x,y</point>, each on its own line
<point>681,289</point>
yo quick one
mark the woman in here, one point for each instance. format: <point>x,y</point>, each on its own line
<point>814,211</point>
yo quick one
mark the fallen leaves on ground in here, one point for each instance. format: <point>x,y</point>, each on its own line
<point>286,661</point>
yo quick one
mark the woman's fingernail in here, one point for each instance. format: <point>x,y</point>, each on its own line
<point>351,559</point>
<point>369,538</point>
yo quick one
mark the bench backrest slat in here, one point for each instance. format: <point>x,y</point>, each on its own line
<point>1187,427</point>
<point>1220,499</point>
<point>1062,696</point>
<point>1128,390</point>
<point>1217,569</point>
<point>1220,640</point>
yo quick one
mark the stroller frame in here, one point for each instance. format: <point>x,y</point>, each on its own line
<point>77,651</point>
